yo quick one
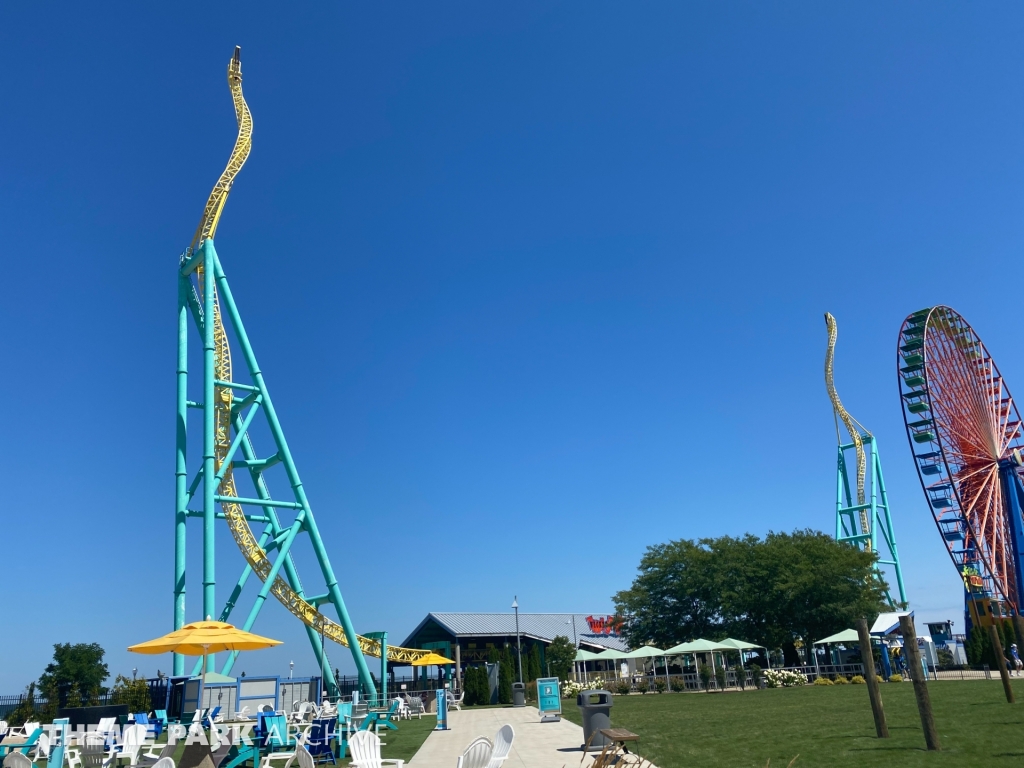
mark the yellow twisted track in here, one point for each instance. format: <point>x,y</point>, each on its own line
<point>254,555</point>
<point>853,426</point>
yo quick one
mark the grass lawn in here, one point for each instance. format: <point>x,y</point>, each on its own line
<point>825,726</point>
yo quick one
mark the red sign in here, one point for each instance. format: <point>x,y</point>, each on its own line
<point>604,625</point>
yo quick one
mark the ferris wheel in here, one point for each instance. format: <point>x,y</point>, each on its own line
<point>966,436</point>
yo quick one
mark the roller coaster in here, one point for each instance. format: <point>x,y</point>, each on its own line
<point>862,511</point>
<point>228,410</point>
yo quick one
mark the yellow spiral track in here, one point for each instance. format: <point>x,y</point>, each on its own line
<point>853,426</point>
<point>254,555</point>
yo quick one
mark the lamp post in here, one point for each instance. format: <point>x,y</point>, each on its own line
<point>519,650</point>
<point>291,668</point>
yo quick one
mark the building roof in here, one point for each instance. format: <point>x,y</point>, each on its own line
<point>538,626</point>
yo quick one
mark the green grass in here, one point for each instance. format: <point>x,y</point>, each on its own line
<point>825,726</point>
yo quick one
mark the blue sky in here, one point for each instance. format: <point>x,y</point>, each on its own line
<point>534,285</point>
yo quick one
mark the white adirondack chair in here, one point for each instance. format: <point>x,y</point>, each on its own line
<point>502,746</point>
<point>17,760</point>
<point>477,754</point>
<point>3,728</point>
<point>24,731</point>
<point>132,741</point>
<point>365,749</point>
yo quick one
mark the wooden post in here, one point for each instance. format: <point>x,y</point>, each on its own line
<point>997,647</point>
<point>868,658</point>
<point>924,702</point>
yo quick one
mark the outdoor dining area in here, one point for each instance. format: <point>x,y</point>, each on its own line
<point>677,668</point>
<point>311,733</point>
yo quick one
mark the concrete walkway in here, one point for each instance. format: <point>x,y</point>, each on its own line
<point>536,745</point>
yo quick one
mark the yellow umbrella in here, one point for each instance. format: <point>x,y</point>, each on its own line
<point>432,659</point>
<point>201,638</point>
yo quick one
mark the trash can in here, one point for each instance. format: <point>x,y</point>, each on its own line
<point>518,694</point>
<point>595,707</point>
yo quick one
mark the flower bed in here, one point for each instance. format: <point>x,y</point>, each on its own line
<point>783,678</point>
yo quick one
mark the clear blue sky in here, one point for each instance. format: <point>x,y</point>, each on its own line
<point>523,278</point>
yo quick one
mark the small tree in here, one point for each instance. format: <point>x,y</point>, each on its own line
<point>561,655</point>
<point>720,677</point>
<point>505,677</point>
<point>704,673</point>
<point>756,675</point>
<point>132,691</point>
<point>534,658</point>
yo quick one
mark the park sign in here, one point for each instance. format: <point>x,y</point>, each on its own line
<point>549,699</point>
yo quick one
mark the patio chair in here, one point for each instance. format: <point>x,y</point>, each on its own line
<point>416,707</point>
<point>150,758</point>
<point>3,729</point>
<point>132,741</point>
<point>161,717</point>
<point>94,752</point>
<point>377,719</point>
<point>152,728</point>
<point>455,701</point>
<point>301,739</point>
<point>73,756</point>
<point>320,736</point>
<point>477,754</point>
<point>17,760</point>
<point>502,746</point>
<point>402,713</point>
<point>42,751</point>
<point>365,747</point>
<point>24,731</point>
<point>303,709</point>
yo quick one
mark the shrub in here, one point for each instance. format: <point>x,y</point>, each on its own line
<point>623,687</point>
<point>720,678</point>
<point>823,681</point>
<point>841,680</point>
<point>858,680</point>
<point>572,688</point>
<point>756,674</point>
<point>677,684</point>
<point>134,692</point>
<point>783,678</point>
<point>897,678</point>
<point>660,685</point>
<point>704,673</point>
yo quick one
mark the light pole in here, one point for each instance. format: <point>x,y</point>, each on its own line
<point>519,650</point>
<point>291,668</point>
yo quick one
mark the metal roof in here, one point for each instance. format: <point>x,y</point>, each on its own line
<point>539,626</point>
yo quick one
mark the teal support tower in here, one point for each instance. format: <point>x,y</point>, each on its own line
<point>851,515</point>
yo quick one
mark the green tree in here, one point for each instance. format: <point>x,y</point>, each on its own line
<point>675,597</point>
<point>534,657</point>
<point>561,654</point>
<point>505,676</point>
<point>772,591</point>
<point>74,664</point>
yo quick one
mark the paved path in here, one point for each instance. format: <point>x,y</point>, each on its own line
<point>536,745</point>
